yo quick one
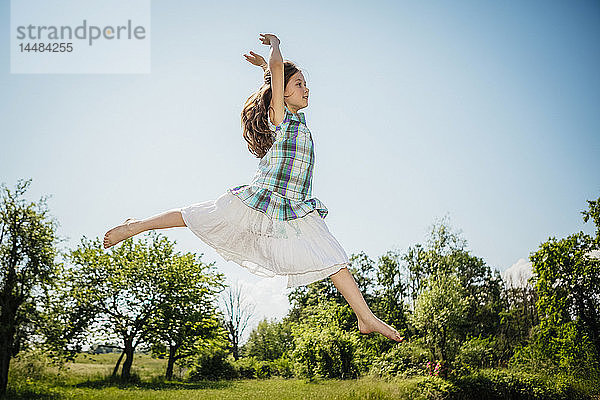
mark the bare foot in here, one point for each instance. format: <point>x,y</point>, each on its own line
<point>377,325</point>
<point>119,233</point>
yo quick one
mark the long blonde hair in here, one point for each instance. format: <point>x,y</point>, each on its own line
<point>255,114</point>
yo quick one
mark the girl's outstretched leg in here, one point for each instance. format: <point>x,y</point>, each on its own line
<point>367,321</point>
<point>131,226</point>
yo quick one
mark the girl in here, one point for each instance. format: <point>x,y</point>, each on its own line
<point>273,226</point>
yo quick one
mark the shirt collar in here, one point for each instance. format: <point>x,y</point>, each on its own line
<point>299,116</point>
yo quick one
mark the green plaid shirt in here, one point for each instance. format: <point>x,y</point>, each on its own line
<point>282,185</point>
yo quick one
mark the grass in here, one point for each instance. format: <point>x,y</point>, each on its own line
<point>275,388</point>
<point>89,378</point>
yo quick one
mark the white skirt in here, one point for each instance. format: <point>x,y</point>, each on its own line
<point>302,249</point>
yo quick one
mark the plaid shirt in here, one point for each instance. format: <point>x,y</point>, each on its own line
<point>282,185</point>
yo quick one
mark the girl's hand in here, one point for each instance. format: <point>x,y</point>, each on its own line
<point>269,39</point>
<point>256,59</point>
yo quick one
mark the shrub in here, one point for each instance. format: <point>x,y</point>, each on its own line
<point>327,353</point>
<point>477,353</point>
<point>509,384</point>
<point>212,365</point>
<point>403,360</point>
<point>251,368</point>
<point>283,367</point>
<point>245,367</point>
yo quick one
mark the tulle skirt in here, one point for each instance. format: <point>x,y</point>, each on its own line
<point>302,249</point>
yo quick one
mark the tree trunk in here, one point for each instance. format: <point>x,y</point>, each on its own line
<point>4,364</point>
<point>171,362</point>
<point>7,337</point>
<point>116,369</point>
<point>126,372</point>
<point>8,314</point>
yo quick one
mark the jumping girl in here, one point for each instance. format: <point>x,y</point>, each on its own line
<point>272,226</point>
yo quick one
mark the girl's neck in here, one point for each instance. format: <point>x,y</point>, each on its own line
<point>292,110</point>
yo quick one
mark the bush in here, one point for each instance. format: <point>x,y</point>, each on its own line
<point>477,353</point>
<point>213,365</point>
<point>246,367</point>
<point>571,353</point>
<point>509,384</point>
<point>251,368</point>
<point>33,365</point>
<point>329,353</point>
<point>403,360</point>
<point>283,367</point>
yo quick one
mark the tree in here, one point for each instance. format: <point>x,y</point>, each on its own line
<point>391,291</point>
<point>187,319</point>
<point>269,340</point>
<point>484,293</point>
<point>436,256</point>
<point>567,280</point>
<point>27,254</point>
<point>518,317</point>
<point>362,268</point>
<point>323,345</point>
<point>439,313</point>
<point>414,260</point>
<point>236,315</point>
<point>128,288</point>
<point>445,252</point>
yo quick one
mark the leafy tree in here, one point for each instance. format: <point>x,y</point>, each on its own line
<point>518,317</point>
<point>567,280</point>
<point>187,320</point>
<point>128,288</point>
<point>27,262</point>
<point>414,260</point>
<point>439,313</point>
<point>445,253</point>
<point>269,341</point>
<point>484,293</point>
<point>363,270</point>
<point>391,289</point>
<point>323,346</point>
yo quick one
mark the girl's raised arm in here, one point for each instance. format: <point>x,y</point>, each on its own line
<point>277,84</point>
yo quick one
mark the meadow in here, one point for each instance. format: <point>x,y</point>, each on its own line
<point>89,378</point>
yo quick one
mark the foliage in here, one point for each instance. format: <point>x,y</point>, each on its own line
<point>212,364</point>
<point>517,319</point>
<point>134,290</point>
<point>403,360</point>
<point>511,384</point>
<point>27,270</point>
<point>322,349</point>
<point>253,368</point>
<point>188,318</point>
<point>390,291</point>
<point>476,353</point>
<point>445,253</point>
<point>568,285</point>
<point>269,340</point>
<point>439,313</point>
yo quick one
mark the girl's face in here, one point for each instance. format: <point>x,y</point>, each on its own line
<point>296,93</point>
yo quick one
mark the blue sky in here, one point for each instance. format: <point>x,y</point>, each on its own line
<point>484,111</point>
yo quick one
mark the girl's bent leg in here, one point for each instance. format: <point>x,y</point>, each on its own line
<point>367,321</point>
<point>131,226</point>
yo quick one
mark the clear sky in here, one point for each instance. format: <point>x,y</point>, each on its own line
<point>485,111</point>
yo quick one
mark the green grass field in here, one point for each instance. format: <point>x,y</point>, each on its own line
<point>87,378</point>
